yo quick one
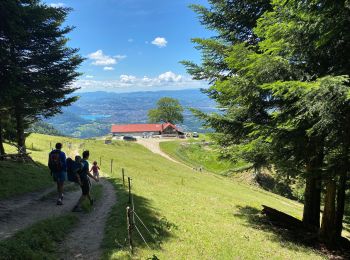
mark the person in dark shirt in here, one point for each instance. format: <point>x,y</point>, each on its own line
<point>85,184</point>
<point>58,167</point>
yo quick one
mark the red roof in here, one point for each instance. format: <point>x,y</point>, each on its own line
<point>132,128</point>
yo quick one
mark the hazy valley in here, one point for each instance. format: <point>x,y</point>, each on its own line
<point>94,112</point>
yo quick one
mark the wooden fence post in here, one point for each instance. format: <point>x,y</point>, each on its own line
<point>123,177</point>
<point>129,182</point>
<point>100,162</point>
<point>50,145</point>
<point>129,227</point>
<point>111,165</point>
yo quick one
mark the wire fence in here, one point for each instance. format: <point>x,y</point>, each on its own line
<point>134,220</point>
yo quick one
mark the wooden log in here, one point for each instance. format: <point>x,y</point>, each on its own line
<point>282,219</point>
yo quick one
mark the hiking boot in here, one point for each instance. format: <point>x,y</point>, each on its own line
<point>59,202</point>
<point>77,209</point>
<point>92,202</point>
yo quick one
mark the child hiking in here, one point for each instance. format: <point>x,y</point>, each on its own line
<point>84,182</point>
<point>58,168</point>
<point>95,170</point>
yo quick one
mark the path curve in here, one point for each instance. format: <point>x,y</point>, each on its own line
<point>21,212</point>
<point>85,240</point>
<point>153,146</point>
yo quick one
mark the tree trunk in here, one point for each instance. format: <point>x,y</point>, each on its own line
<point>312,195</point>
<point>327,232</point>
<point>21,140</point>
<point>312,204</point>
<point>2,149</point>
<point>340,205</point>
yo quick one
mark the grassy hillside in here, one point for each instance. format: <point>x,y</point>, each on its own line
<point>197,154</point>
<point>19,178</point>
<point>190,215</point>
<point>194,215</point>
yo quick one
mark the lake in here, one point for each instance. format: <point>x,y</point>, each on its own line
<point>94,117</point>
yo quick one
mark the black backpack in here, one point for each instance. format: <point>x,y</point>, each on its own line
<point>55,164</point>
<point>73,168</point>
<point>69,163</point>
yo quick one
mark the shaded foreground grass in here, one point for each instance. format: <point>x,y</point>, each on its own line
<point>39,241</point>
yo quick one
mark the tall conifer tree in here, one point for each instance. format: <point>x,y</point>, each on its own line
<point>40,64</point>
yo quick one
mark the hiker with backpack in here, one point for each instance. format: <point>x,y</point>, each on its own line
<point>74,168</point>
<point>84,181</point>
<point>58,168</point>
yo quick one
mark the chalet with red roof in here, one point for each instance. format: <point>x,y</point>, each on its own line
<point>166,129</point>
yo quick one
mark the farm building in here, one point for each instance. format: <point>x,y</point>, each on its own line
<point>166,129</point>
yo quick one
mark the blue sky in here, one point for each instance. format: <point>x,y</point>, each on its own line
<point>133,45</point>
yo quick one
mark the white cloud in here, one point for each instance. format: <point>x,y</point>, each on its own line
<point>57,5</point>
<point>127,78</point>
<point>108,68</point>
<point>100,59</point>
<point>129,83</point>
<point>160,42</point>
<point>89,76</point>
<point>169,77</point>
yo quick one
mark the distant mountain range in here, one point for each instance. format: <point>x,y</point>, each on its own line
<point>95,112</point>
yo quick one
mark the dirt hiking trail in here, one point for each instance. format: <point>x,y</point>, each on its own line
<point>153,146</point>
<point>85,240</point>
<point>21,212</point>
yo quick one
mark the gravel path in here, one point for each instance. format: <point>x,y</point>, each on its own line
<point>153,146</point>
<point>84,242</point>
<point>21,212</point>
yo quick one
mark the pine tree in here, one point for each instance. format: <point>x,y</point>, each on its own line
<point>41,66</point>
<point>280,88</point>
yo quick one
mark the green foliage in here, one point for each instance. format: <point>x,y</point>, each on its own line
<point>284,96</point>
<point>91,130</point>
<point>39,66</point>
<point>168,110</point>
<point>41,127</point>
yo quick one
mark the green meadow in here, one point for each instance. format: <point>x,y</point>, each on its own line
<point>189,215</point>
<point>196,153</point>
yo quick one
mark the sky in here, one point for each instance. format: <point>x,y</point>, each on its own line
<point>133,45</point>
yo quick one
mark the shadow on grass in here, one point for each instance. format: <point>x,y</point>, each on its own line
<point>293,238</point>
<point>116,237</point>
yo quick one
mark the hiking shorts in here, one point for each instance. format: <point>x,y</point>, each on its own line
<point>85,188</point>
<point>59,176</point>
